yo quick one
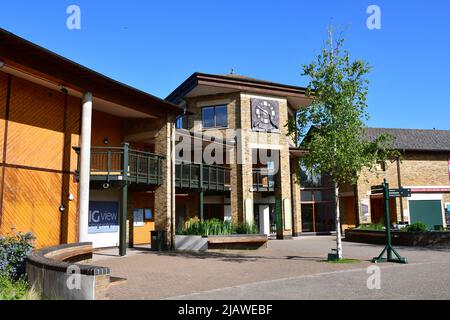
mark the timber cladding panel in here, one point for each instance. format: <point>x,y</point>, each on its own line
<point>41,127</point>
<point>3,95</point>
<point>31,201</point>
<point>106,126</point>
<point>36,126</point>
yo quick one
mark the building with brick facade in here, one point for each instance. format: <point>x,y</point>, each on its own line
<point>86,158</point>
<point>251,181</point>
<point>423,167</point>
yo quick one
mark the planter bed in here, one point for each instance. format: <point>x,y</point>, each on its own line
<point>238,241</point>
<point>437,239</point>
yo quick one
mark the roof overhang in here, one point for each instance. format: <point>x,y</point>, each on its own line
<point>30,58</point>
<point>201,84</point>
<point>297,152</point>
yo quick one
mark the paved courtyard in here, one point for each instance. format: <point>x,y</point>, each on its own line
<point>290,269</point>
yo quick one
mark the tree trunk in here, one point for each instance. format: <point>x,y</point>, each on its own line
<point>338,223</point>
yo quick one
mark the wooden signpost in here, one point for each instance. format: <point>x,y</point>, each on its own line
<point>387,193</point>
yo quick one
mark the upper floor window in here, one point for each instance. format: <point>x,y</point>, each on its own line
<point>312,180</point>
<point>215,116</point>
<point>380,166</point>
<point>182,122</point>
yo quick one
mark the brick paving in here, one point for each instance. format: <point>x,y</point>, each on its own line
<point>152,275</point>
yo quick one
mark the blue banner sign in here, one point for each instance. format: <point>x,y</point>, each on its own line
<point>103,217</point>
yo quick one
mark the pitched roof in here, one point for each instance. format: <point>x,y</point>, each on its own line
<point>15,50</point>
<point>414,139</point>
<point>235,82</point>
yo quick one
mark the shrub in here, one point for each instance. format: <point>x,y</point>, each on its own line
<point>416,227</point>
<point>246,228</point>
<point>17,290</point>
<point>196,227</point>
<point>14,249</point>
<point>372,226</point>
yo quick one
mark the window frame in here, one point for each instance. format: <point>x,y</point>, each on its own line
<point>214,120</point>
<point>184,122</point>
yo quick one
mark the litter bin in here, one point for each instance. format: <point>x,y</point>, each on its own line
<point>158,240</point>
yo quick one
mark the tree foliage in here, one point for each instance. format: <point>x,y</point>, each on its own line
<point>336,117</point>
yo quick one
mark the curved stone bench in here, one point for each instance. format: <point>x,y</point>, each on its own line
<point>63,272</point>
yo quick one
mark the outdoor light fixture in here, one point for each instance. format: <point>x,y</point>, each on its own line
<point>62,208</point>
<point>64,90</point>
<point>71,197</point>
<point>106,140</point>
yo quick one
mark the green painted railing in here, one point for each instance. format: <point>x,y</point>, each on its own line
<point>108,163</point>
<point>202,176</point>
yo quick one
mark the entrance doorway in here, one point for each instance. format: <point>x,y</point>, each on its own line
<point>377,210</point>
<point>426,211</point>
<point>318,210</point>
<point>265,218</point>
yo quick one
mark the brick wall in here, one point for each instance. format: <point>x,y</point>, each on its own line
<point>416,169</point>
<point>239,117</point>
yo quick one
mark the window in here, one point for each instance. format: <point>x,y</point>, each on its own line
<point>142,215</point>
<point>380,166</point>
<point>312,180</point>
<point>215,117</point>
<point>182,122</point>
<point>317,202</point>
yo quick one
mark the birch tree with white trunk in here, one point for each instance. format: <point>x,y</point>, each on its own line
<point>335,119</point>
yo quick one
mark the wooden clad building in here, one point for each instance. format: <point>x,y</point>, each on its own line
<point>52,111</point>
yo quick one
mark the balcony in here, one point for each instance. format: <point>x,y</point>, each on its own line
<point>263,180</point>
<point>202,176</point>
<point>108,163</point>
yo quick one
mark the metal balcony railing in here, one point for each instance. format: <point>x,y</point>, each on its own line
<point>202,176</point>
<point>108,163</point>
<point>263,180</point>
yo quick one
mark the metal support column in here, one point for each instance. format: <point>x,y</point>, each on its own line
<point>200,195</point>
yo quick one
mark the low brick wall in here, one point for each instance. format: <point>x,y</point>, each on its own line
<point>419,239</point>
<point>63,272</point>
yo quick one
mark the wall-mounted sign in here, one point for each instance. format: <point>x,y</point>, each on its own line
<point>364,210</point>
<point>287,214</point>
<point>103,217</point>
<point>265,115</point>
<point>138,217</point>
<point>148,214</point>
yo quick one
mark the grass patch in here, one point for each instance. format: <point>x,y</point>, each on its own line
<point>342,261</point>
<point>17,290</point>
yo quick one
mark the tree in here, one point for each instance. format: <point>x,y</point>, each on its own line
<point>336,118</point>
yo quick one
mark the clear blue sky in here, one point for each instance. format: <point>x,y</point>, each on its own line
<point>155,45</point>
